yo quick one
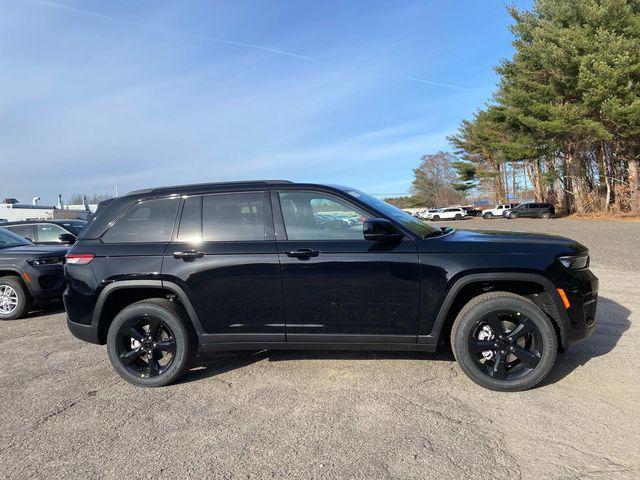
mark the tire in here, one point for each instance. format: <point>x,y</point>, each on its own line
<point>538,346</point>
<point>175,332</point>
<point>435,218</point>
<point>487,216</point>
<point>15,301</point>
<point>512,216</point>
<point>458,216</point>
<point>545,216</point>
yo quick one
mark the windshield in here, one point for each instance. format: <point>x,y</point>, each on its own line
<point>403,218</point>
<point>75,226</point>
<point>10,239</point>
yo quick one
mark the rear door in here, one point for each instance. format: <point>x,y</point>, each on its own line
<point>224,256</point>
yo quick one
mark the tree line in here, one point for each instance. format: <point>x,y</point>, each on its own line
<point>564,120</point>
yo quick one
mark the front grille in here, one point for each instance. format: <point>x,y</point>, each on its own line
<point>590,312</point>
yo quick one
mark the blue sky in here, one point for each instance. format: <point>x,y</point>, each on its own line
<point>147,92</point>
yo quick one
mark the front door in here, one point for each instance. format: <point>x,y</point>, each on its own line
<point>337,285</point>
<point>224,256</point>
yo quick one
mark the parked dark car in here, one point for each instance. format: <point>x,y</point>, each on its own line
<point>162,273</point>
<point>531,210</point>
<point>47,232</point>
<point>28,274</point>
<point>472,212</point>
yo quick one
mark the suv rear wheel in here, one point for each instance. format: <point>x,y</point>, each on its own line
<point>545,215</point>
<point>488,216</point>
<point>458,216</point>
<point>150,343</point>
<point>15,301</point>
<point>504,342</point>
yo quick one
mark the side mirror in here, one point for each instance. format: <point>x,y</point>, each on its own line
<point>67,238</point>
<point>381,230</point>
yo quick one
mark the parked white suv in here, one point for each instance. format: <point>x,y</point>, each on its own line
<point>452,213</point>
<point>498,210</point>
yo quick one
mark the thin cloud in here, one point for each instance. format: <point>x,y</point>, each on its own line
<point>429,82</point>
<point>172,31</point>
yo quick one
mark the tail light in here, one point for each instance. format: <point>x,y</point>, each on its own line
<point>78,258</point>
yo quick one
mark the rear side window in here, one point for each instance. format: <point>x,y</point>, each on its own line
<point>25,231</point>
<point>233,217</point>
<point>150,221</point>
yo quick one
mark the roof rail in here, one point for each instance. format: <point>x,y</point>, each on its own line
<point>205,185</point>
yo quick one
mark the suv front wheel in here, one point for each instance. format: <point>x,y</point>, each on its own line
<point>150,343</point>
<point>504,342</point>
<point>15,301</point>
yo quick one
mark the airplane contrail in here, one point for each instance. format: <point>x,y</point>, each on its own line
<point>429,82</point>
<point>169,30</point>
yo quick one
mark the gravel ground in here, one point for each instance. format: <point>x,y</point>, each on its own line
<point>66,414</point>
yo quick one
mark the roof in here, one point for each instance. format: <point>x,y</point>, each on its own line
<point>57,221</point>
<point>208,185</point>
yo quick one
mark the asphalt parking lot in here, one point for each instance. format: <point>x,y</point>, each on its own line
<point>64,413</point>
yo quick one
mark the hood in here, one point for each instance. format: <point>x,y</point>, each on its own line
<point>492,241</point>
<point>32,250</point>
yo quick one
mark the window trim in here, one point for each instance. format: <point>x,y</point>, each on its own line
<point>281,228</point>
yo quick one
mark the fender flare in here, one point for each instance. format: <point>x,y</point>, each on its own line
<point>562,320</point>
<point>134,284</point>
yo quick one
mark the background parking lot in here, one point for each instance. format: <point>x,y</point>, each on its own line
<point>64,411</point>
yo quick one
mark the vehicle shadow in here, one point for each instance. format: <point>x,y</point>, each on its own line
<point>211,364</point>
<point>612,320</point>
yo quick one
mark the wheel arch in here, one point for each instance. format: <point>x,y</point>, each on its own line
<point>535,287</point>
<point>117,295</point>
<point>16,272</point>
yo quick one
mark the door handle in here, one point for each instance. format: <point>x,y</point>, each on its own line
<point>303,253</point>
<point>188,255</point>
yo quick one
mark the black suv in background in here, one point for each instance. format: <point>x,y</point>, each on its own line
<point>162,273</point>
<point>531,210</point>
<point>28,274</point>
<point>47,232</point>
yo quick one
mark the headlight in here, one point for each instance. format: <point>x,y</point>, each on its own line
<point>575,262</point>
<point>39,262</point>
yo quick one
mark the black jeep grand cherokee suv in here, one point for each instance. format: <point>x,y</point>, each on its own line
<point>162,273</point>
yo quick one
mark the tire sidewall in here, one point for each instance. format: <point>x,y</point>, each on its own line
<point>436,217</point>
<point>23,298</point>
<point>487,216</point>
<point>179,330</point>
<point>547,332</point>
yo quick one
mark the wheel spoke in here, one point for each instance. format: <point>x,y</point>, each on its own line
<point>154,326</point>
<point>495,323</point>
<point>166,346</point>
<point>528,358</point>
<point>154,365</point>
<point>524,328</point>
<point>135,333</point>
<point>499,370</point>
<point>129,357</point>
<point>478,346</point>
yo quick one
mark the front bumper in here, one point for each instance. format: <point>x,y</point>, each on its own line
<point>581,288</point>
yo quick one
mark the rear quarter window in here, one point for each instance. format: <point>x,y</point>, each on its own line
<point>147,221</point>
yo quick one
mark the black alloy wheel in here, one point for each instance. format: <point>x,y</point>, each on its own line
<point>504,341</point>
<point>146,346</point>
<point>151,342</point>
<point>506,345</point>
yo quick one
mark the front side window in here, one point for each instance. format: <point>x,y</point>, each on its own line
<point>48,232</point>
<point>320,216</point>
<point>149,221</point>
<point>233,217</point>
